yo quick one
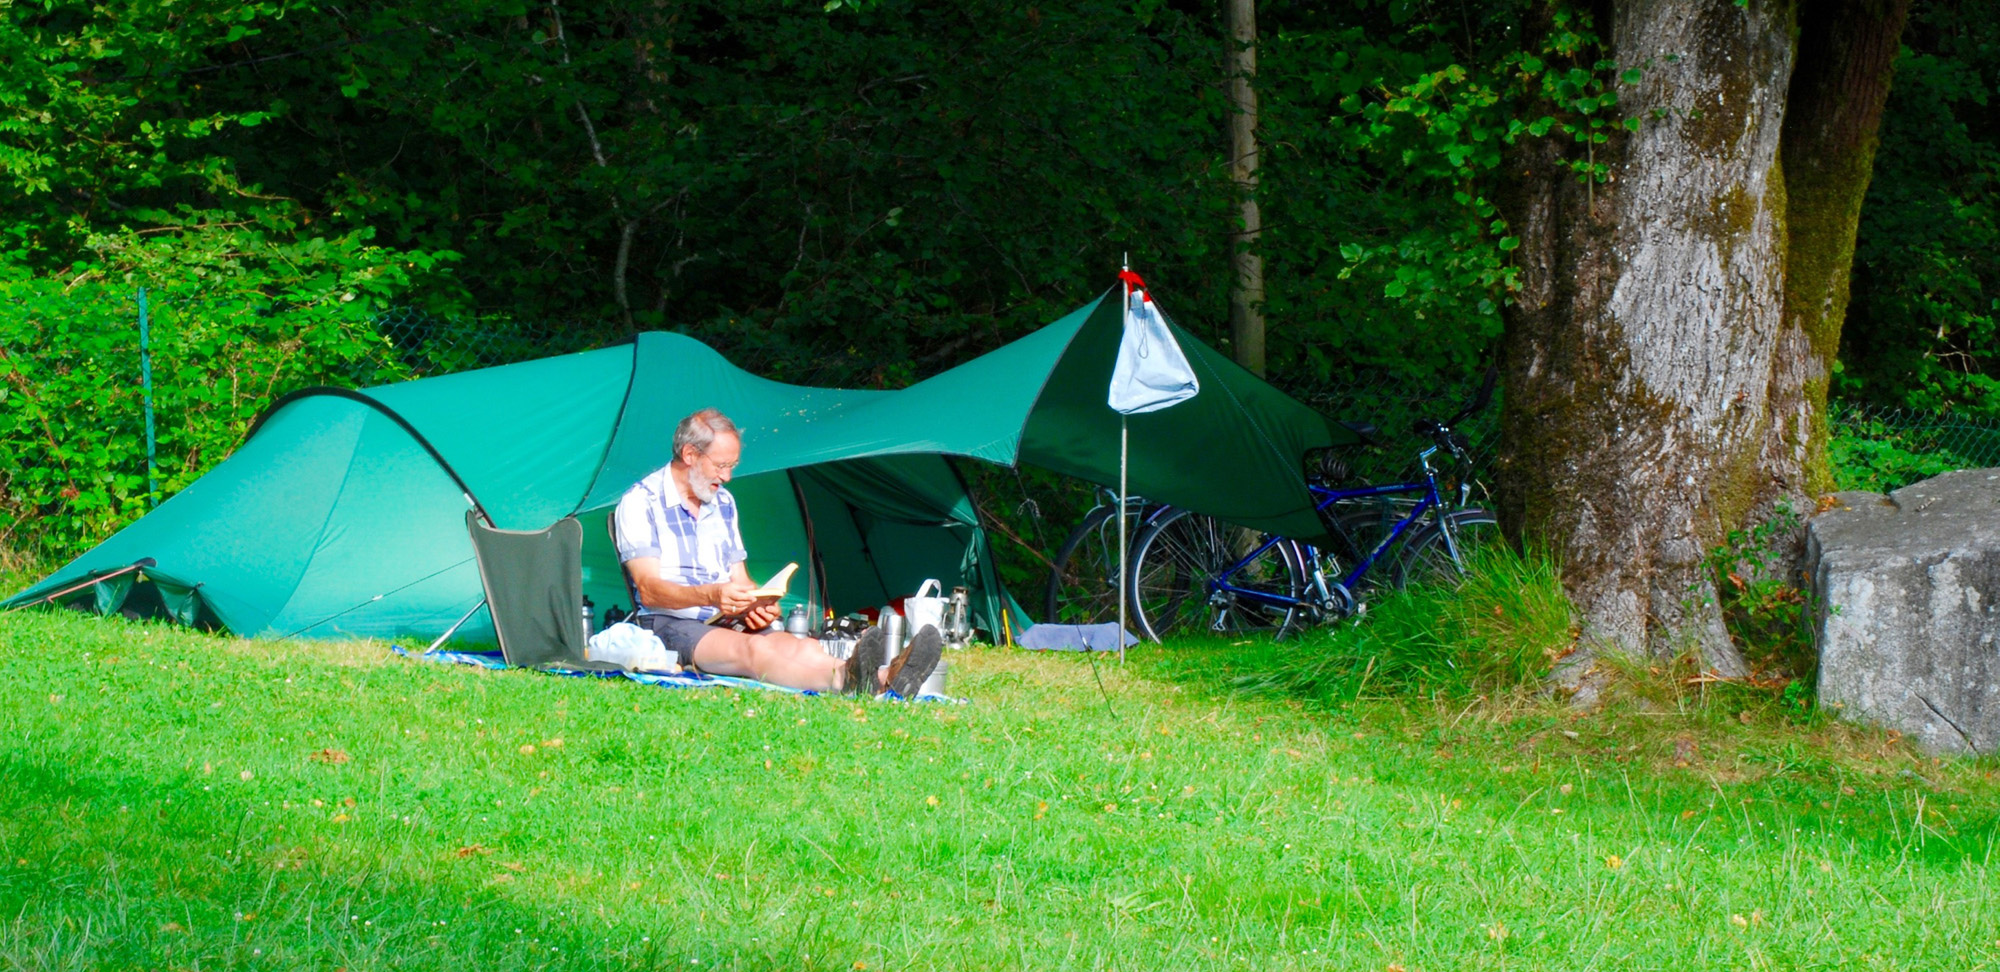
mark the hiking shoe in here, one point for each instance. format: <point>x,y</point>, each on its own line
<point>908,671</point>
<point>865,662</point>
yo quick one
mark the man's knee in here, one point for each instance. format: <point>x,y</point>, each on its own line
<point>724,651</point>
<point>768,648</point>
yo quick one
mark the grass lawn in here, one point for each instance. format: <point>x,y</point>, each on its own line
<point>174,800</point>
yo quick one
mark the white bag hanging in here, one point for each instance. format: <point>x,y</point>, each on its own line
<point>922,609</point>
<point>1151,372</point>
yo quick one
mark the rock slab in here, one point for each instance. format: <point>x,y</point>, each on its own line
<point>1907,595</point>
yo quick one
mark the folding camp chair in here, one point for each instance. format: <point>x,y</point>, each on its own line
<point>533,581</point>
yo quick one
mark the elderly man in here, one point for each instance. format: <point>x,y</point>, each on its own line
<point>683,552</point>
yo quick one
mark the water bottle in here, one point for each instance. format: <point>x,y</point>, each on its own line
<point>797,624</point>
<point>589,618</point>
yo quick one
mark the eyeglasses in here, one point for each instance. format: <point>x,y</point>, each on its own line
<point>723,466</point>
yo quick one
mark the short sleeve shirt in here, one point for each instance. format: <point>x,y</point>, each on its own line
<point>692,549</point>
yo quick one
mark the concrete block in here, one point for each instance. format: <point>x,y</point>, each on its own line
<point>1907,591</point>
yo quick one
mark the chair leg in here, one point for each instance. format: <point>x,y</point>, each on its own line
<point>455,625</point>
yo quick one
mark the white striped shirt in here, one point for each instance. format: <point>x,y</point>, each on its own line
<point>692,549</point>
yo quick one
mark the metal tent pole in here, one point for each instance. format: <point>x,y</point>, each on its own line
<point>146,378</point>
<point>1124,572</point>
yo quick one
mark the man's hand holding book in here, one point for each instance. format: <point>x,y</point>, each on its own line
<point>747,608</point>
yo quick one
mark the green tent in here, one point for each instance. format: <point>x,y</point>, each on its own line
<point>344,512</point>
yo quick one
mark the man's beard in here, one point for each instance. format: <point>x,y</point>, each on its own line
<point>701,486</point>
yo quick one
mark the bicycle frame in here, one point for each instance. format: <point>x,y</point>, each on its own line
<point>1324,497</point>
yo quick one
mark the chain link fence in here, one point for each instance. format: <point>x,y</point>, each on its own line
<point>1884,448</point>
<point>427,344</point>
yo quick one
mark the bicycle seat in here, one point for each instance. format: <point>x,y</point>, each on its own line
<point>1364,431</point>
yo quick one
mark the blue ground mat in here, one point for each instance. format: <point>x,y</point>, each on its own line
<point>679,680</point>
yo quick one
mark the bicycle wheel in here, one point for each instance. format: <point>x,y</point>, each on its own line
<point>1426,558</point>
<point>1083,583</point>
<point>1178,556</point>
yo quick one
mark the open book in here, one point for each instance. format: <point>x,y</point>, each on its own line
<point>771,591</point>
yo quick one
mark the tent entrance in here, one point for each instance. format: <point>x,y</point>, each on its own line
<point>864,532</point>
<point>137,593</point>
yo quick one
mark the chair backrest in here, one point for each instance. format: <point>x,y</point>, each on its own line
<point>611,528</point>
<point>534,591</point>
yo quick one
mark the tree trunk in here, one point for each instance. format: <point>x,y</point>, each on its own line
<point>1246,290</point>
<point>1847,50</point>
<point>1639,352</point>
<point>1666,360</point>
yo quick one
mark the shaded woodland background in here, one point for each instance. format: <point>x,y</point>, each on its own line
<point>863,196</point>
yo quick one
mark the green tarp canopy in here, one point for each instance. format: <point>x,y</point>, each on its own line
<point>344,512</point>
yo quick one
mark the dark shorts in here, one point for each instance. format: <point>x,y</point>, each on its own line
<point>680,635</point>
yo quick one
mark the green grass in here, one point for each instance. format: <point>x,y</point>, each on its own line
<point>174,800</point>
<point>1497,633</point>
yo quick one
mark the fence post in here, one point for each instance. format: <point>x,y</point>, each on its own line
<point>146,379</point>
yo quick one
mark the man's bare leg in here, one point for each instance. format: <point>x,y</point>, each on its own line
<point>780,659</point>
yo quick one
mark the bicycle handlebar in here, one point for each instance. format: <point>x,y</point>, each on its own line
<point>1442,432</point>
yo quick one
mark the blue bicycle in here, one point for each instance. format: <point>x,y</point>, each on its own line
<point>1193,573</point>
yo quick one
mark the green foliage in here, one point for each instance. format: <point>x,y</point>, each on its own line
<point>1923,325</point>
<point>862,198</point>
<point>101,124</point>
<point>1497,633</point>
<point>117,172</point>
<point>1870,456</point>
<point>1886,449</point>
<point>1768,614</point>
<point>243,319</point>
<point>1437,115</point>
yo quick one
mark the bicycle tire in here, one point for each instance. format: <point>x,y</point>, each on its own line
<point>1425,558</point>
<point>1177,555</point>
<point>1083,589</point>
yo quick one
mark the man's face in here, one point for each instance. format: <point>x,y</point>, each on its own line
<point>706,471</point>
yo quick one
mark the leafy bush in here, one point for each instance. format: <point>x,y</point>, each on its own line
<point>240,318</point>
<point>1886,450</point>
<point>1886,461</point>
<point>1500,631</point>
<point>1923,328</point>
<point>1765,609</point>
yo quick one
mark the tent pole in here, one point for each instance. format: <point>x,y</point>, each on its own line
<point>1123,570</point>
<point>141,564</point>
<point>1123,438</point>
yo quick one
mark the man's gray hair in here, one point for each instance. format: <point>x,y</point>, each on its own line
<point>700,429</point>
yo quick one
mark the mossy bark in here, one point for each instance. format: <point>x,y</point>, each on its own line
<point>1665,370</point>
<point>1847,51</point>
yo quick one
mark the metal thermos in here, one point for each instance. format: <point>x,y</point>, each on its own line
<point>589,618</point>
<point>797,624</point>
<point>897,630</point>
